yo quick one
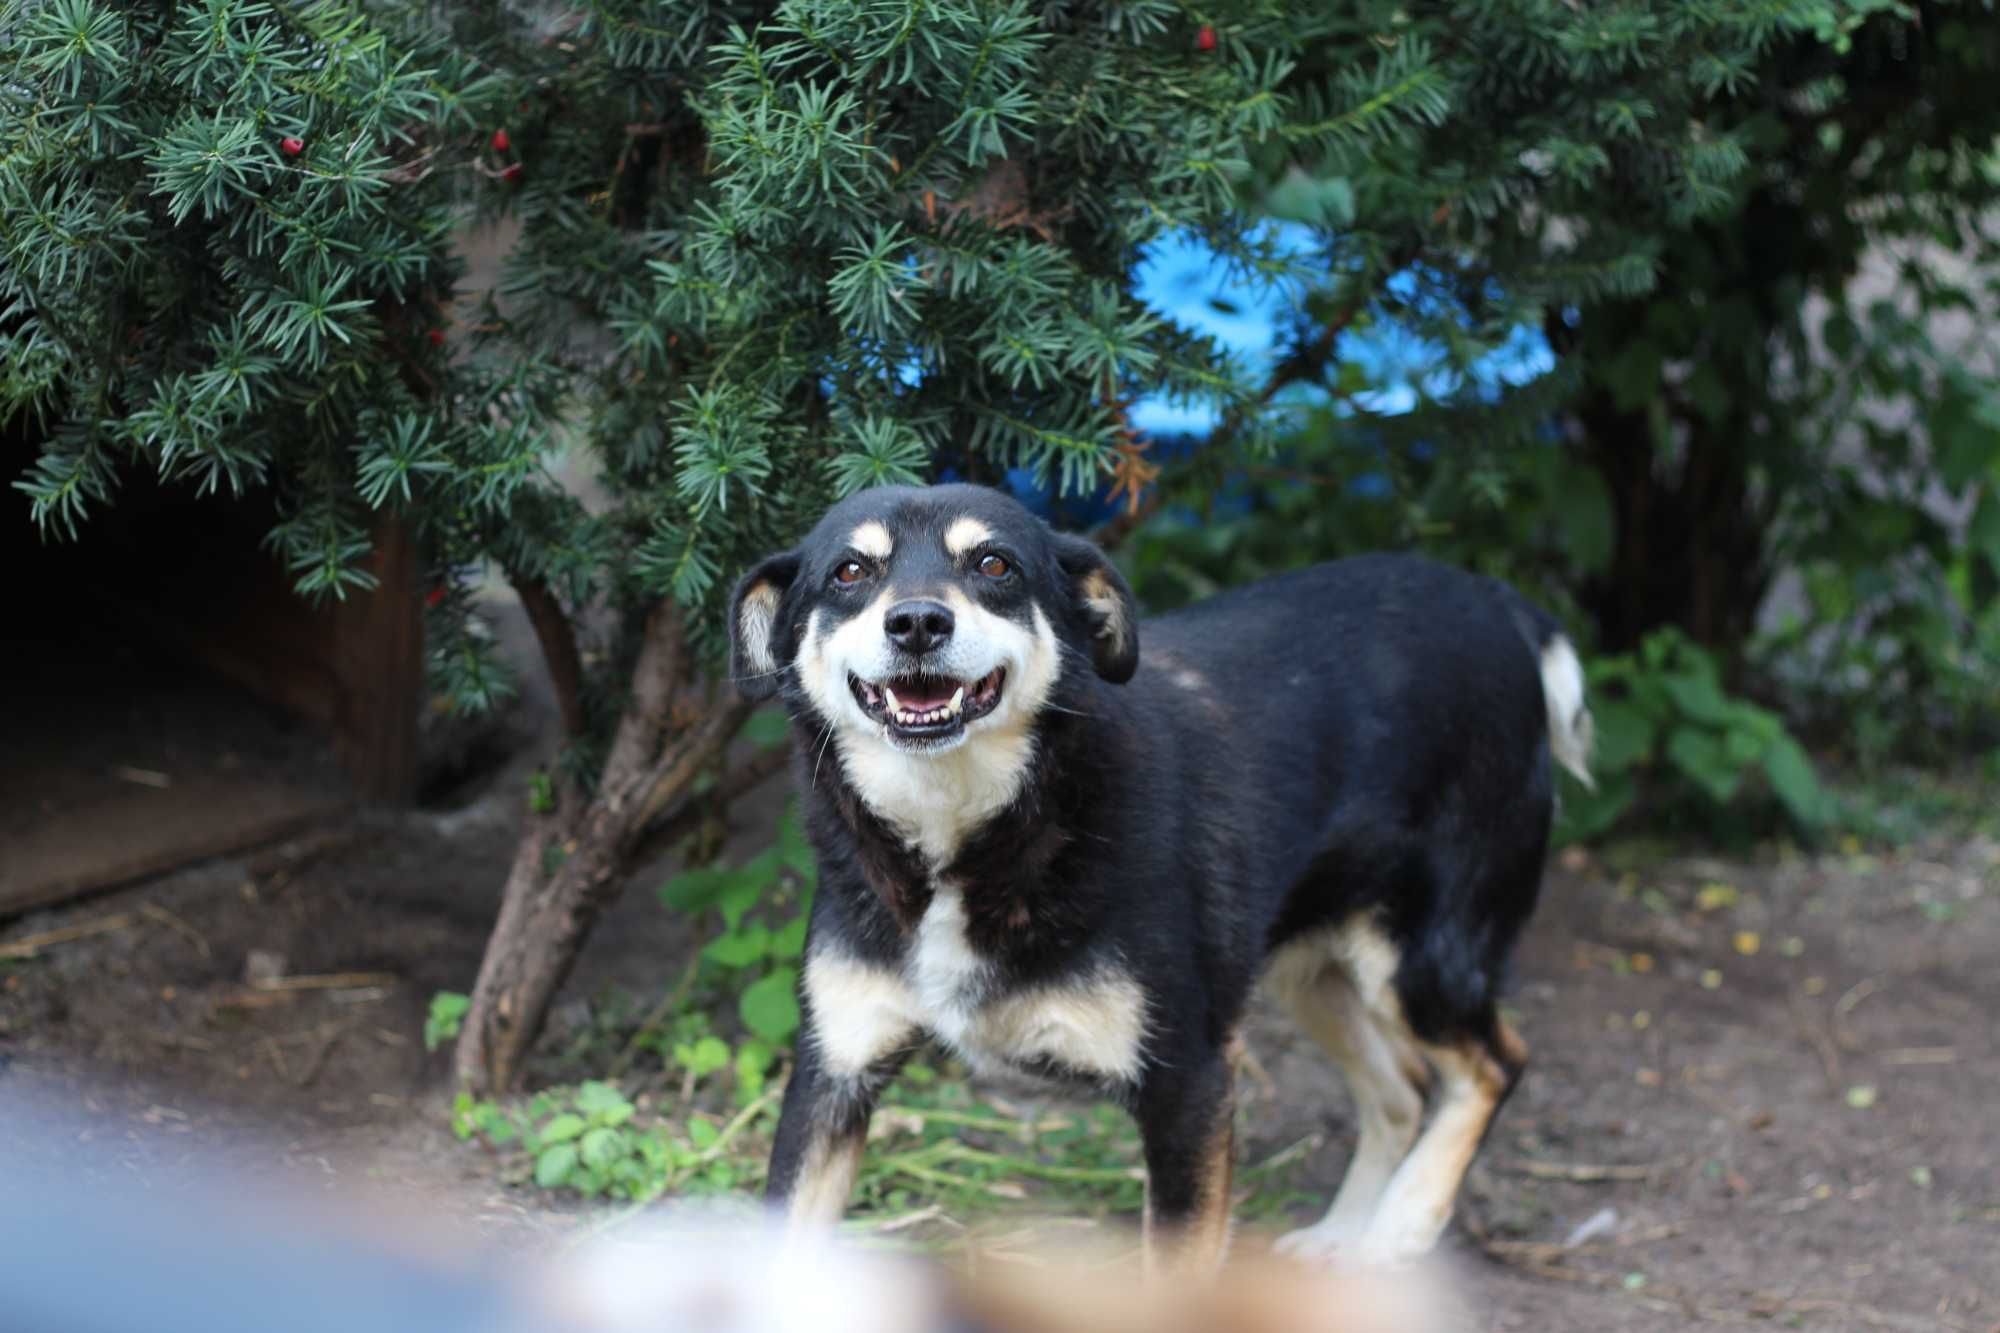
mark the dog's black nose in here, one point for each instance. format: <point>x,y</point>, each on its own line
<point>917,626</point>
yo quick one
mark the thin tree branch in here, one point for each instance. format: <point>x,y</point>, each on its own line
<point>558,639</point>
<point>655,678</point>
<point>738,782</point>
<point>684,757</point>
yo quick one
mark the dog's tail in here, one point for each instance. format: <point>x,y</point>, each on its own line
<point>1572,730</point>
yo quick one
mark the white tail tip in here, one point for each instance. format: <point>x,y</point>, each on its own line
<point>1571,731</point>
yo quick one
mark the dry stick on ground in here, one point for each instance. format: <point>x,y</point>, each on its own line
<point>1823,1046</point>
<point>176,924</point>
<point>326,981</point>
<point>1579,1173</point>
<point>1548,1251</point>
<point>333,1032</point>
<point>1844,1006</point>
<point>30,945</point>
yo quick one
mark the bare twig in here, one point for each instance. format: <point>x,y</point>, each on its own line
<point>1580,1173</point>
<point>1549,1251</point>
<point>30,945</point>
<point>676,769</point>
<point>1921,1055</point>
<point>326,981</point>
<point>744,778</point>
<point>557,636</point>
<point>1844,1006</point>
<point>176,924</point>
<point>907,1220</point>
<point>317,1060</point>
<point>668,1003</point>
<point>655,677</point>
<point>1874,1318</point>
<point>1829,1054</point>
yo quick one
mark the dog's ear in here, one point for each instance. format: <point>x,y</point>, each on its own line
<point>1105,604</point>
<point>760,645</point>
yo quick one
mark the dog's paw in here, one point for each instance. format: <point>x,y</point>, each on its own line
<point>1320,1243</point>
<point>1390,1248</point>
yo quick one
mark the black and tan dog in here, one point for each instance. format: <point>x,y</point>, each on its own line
<point>1054,855</point>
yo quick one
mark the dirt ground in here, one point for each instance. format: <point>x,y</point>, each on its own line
<point>1762,1090</point>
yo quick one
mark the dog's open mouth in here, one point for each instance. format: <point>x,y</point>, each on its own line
<point>928,706</point>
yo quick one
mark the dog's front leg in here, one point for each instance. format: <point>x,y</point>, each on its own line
<point>822,1126</point>
<point>854,1034</point>
<point>1186,1118</point>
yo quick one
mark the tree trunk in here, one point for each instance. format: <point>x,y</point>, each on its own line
<point>569,864</point>
<point>1688,544</point>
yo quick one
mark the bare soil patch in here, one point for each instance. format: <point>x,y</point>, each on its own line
<point>1763,1089</point>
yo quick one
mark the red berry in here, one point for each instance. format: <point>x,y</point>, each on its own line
<point>501,143</point>
<point>1205,39</point>
<point>513,172</point>
<point>434,596</point>
<point>293,147</point>
<point>437,337</point>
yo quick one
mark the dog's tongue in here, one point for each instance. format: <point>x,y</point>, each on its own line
<point>920,696</point>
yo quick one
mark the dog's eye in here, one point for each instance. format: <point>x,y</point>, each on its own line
<point>851,572</point>
<point>995,566</point>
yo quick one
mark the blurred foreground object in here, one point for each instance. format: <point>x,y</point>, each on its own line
<point>192,1246</point>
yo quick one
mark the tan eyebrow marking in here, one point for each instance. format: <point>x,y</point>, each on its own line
<point>964,534</point>
<point>872,540</point>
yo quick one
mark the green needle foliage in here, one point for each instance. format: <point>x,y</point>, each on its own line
<point>768,253</point>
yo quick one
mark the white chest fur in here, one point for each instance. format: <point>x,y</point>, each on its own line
<point>947,976</point>
<point>1094,1024</point>
<point>934,801</point>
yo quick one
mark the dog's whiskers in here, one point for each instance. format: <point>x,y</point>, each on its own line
<point>826,738</point>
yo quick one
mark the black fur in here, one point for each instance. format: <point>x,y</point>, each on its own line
<point>1362,737</point>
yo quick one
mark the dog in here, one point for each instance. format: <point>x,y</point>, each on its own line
<point>1055,856</point>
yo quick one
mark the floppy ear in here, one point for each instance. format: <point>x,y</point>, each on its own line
<point>760,647</point>
<point>1105,604</point>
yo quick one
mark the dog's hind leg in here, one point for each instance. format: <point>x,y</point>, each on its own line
<point>1474,1076</point>
<point>1384,1075</point>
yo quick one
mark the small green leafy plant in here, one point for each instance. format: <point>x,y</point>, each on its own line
<point>589,1139</point>
<point>448,1009</point>
<point>763,905</point>
<point>1664,721</point>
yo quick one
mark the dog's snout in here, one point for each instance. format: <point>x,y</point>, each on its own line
<point>918,626</point>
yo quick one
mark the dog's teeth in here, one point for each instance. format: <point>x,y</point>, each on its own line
<point>890,695</point>
<point>957,701</point>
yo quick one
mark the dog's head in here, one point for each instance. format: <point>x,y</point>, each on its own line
<point>923,616</point>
